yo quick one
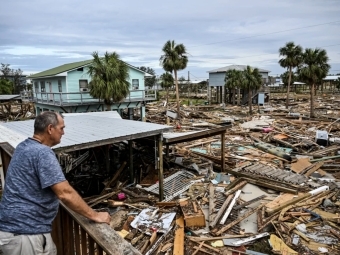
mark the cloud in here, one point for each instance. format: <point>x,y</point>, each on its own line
<point>42,34</point>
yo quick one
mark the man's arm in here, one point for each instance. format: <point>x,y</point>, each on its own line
<point>71,199</point>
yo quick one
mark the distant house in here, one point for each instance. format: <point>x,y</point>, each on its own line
<point>65,89</point>
<point>217,76</point>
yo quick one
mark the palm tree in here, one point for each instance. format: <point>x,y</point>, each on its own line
<point>149,81</point>
<point>252,81</point>
<point>167,82</point>
<point>292,58</point>
<point>285,78</point>
<point>313,69</point>
<point>174,58</point>
<point>233,80</point>
<point>109,78</point>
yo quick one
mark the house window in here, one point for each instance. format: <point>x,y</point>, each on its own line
<point>135,83</point>
<point>81,69</point>
<point>60,87</point>
<point>42,86</point>
<point>36,87</point>
<point>83,85</point>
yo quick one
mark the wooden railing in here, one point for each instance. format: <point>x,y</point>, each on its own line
<point>76,235</point>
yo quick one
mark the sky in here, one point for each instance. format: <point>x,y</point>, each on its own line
<point>37,35</point>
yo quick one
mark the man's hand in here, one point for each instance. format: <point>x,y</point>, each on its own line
<point>71,199</point>
<point>102,217</point>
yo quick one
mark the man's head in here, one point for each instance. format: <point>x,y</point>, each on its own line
<point>49,128</point>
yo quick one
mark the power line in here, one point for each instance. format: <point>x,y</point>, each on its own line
<point>277,32</point>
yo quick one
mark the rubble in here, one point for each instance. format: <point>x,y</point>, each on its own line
<point>279,193</point>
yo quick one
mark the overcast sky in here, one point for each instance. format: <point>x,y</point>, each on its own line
<point>38,35</point>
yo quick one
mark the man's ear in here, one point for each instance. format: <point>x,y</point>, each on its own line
<point>49,129</point>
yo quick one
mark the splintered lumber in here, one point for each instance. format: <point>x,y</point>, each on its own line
<point>179,237</point>
<point>238,220</point>
<point>114,178</point>
<point>199,239</point>
<point>314,168</point>
<point>271,211</point>
<point>206,245</point>
<point>221,211</point>
<point>225,216</point>
<point>249,202</point>
<point>300,165</point>
<point>211,201</point>
<point>237,187</point>
<point>98,200</point>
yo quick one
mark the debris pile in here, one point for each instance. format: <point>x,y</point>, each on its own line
<point>16,111</point>
<point>279,194</point>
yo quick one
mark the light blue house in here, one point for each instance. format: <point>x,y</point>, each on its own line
<point>217,76</point>
<point>65,89</point>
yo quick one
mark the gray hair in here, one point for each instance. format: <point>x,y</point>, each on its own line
<point>43,120</point>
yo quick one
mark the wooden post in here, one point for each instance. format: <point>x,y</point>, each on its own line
<point>223,152</point>
<point>107,156</point>
<point>167,150</point>
<point>160,168</point>
<point>132,177</point>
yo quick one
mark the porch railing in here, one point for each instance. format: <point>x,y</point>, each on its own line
<point>76,235</point>
<point>76,98</point>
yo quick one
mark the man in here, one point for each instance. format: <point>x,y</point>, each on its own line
<point>34,183</point>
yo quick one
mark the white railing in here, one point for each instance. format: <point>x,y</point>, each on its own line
<point>60,98</point>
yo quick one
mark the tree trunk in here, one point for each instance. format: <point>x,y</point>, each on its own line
<point>312,101</point>
<point>177,95</point>
<point>238,96</point>
<point>234,90</point>
<point>288,87</point>
<point>250,103</point>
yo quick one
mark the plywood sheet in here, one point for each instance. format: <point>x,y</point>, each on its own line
<point>300,165</point>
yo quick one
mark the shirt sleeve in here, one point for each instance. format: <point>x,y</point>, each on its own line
<point>49,170</point>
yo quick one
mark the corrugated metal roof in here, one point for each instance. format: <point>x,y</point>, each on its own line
<point>235,67</point>
<point>106,114</point>
<point>86,131</point>
<point>9,97</point>
<point>10,136</point>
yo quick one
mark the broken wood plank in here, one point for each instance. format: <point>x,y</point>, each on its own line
<point>238,220</point>
<point>232,203</point>
<point>199,239</point>
<point>314,168</point>
<point>221,211</point>
<point>179,237</point>
<point>249,202</point>
<point>114,178</point>
<point>207,246</point>
<point>237,187</point>
<point>211,201</point>
<point>300,165</point>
